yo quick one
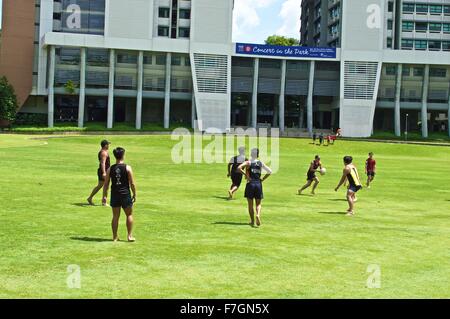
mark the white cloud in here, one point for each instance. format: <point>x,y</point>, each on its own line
<point>290,15</point>
<point>246,17</point>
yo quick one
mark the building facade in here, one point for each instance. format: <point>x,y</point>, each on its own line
<point>173,62</point>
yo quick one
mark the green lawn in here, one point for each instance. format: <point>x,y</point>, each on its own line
<point>191,243</point>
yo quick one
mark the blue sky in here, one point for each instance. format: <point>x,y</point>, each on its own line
<point>255,20</point>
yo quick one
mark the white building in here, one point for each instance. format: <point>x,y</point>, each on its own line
<point>173,61</point>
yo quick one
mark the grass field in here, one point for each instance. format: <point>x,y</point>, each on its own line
<point>192,243</point>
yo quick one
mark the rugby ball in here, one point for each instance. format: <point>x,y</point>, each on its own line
<point>323,171</point>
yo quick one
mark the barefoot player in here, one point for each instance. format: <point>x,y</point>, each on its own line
<point>371,167</point>
<point>254,190</point>
<point>350,174</point>
<point>104,163</point>
<point>311,177</point>
<point>122,179</point>
<point>234,173</point>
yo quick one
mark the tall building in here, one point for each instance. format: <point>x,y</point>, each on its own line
<point>320,23</point>
<point>173,62</point>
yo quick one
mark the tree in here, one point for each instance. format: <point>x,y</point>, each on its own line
<point>70,87</point>
<point>8,101</point>
<point>283,41</point>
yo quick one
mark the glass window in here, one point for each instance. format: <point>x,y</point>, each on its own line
<point>438,72</point>
<point>435,27</point>
<point>434,45</point>
<point>97,57</point>
<point>163,31</point>
<point>183,32</point>
<point>161,59</point>
<point>447,10</point>
<point>185,13</point>
<point>408,7</point>
<point>446,27</point>
<point>389,42</point>
<point>391,6</point>
<point>418,71</point>
<point>176,60</point>
<point>422,8</point>
<point>163,12</point>
<point>408,26</point>
<point>406,71</point>
<point>389,25</point>
<point>436,9</point>
<point>391,70</point>
<point>421,44</point>
<point>80,16</point>
<point>129,58</point>
<point>421,26</point>
<point>147,58</point>
<point>446,45</point>
<point>407,44</point>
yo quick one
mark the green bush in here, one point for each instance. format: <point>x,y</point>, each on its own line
<point>8,101</point>
<point>35,119</point>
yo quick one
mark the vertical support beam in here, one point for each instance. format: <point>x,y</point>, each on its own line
<point>398,88</point>
<point>112,67</point>
<point>140,81</point>
<point>255,93</point>
<point>282,95</point>
<point>51,87</point>
<point>167,90</point>
<point>309,103</point>
<point>424,111</point>
<point>193,110</point>
<point>82,97</point>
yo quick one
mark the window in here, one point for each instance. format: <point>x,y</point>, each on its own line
<point>389,43</point>
<point>421,44</point>
<point>447,10</point>
<point>389,25</point>
<point>422,8</point>
<point>391,6</point>
<point>407,44</point>
<point>418,71</point>
<point>97,57</point>
<point>406,71</point>
<point>148,58</point>
<point>161,59</point>
<point>80,16</point>
<point>163,31</point>
<point>446,46</point>
<point>436,9</point>
<point>438,72</point>
<point>129,58</point>
<point>185,14</point>
<point>446,27</point>
<point>408,26</point>
<point>434,45</point>
<point>163,12</point>
<point>183,32</point>
<point>435,27</point>
<point>408,7</point>
<point>176,60</point>
<point>421,27</point>
<point>391,70</point>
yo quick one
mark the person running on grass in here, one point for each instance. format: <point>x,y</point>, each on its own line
<point>311,177</point>
<point>234,173</point>
<point>104,163</point>
<point>350,174</point>
<point>254,190</point>
<point>122,179</point>
<point>371,167</point>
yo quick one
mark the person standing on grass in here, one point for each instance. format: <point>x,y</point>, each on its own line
<point>122,179</point>
<point>321,139</point>
<point>311,177</point>
<point>350,174</point>
<point>371,167</point>
<point>254,190</point>
<point>314,137</point>
<point>234,173</point>
<point>104,164</point>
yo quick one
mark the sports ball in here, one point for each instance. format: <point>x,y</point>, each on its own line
<point>323,171</point>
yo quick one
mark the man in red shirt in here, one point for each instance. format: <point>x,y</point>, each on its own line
<point>371,166</point>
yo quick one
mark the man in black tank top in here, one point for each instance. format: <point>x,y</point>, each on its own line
<point>122,180</point>
<point>254,189</point>
<point>311,176</point>
<point>103,165</point>
<point>234,173</point>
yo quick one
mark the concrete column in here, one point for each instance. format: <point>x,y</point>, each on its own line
<point>82,97</point>
<point>193,110</point>
<point>112,67</point>
<point>398,88</point>
<point>282,95</point>
<point>255,93</point>
<point>167,90</point>
<point>140,81</point>
<point>51,87</point>
<point>424,111</point>
<point>309,103</point>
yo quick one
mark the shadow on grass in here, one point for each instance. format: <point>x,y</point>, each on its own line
<point>222,197</point>
<point>231,224</point>
<point>338,200</point>
<point>333,213</point>
<point>91,239</point>
<point>82,205</point>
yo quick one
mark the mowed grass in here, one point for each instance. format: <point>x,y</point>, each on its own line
<point>192,243</point>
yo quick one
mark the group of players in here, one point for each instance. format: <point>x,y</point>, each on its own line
<point>123,186</point>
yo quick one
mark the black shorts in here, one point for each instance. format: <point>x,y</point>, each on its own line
<point>236,179</point>
<point>310,175</point>
<point>354,188</point>
<point>123,201</point>
<point>371,174</point>
<point>254,190</point>
<point>100,176</point>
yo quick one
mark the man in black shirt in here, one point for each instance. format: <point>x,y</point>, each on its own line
<point>121,177</point>
<point>234,173</point>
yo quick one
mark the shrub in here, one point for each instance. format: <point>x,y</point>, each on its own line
<point>8,101</point>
